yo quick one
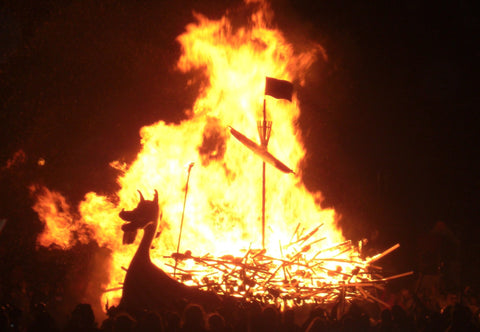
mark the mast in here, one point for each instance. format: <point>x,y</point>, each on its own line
<point>264,130</point>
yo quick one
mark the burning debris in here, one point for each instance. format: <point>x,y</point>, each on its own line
<point>302,276</point>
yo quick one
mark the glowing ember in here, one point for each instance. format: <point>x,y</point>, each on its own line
<point>306,253</point>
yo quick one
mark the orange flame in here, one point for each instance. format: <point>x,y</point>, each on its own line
<point>223,210</point>
<point>61,229</point>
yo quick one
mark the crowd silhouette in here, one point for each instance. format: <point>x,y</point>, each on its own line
<point>456,313</point>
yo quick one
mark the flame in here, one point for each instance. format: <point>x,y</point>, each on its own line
<point>223,210</point>
<point>54,213</point>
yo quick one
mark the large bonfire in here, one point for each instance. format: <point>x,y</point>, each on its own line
<point>302,256</point>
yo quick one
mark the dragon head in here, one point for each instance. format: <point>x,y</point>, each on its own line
<point>143,215</point>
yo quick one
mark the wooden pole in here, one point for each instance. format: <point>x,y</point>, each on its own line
<point>383,254</point>
<point>264,143</point>
<point>183,216</point>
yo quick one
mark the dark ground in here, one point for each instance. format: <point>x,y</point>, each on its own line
<point>390,122</point>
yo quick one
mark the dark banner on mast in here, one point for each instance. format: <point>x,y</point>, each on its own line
<point>278,89</point>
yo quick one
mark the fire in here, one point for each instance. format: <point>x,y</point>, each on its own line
<point>60,226</point>
<point>223,207</point>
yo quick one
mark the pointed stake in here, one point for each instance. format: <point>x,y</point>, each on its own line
<point>183,215</point>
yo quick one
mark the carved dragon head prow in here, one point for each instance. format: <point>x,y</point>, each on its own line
<point>146,213</point>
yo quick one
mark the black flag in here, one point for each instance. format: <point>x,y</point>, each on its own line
<point>278,88</point>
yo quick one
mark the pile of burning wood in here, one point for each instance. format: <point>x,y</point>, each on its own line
<point>304,274</point>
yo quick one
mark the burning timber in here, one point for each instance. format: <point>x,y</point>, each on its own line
<point>291,280</point>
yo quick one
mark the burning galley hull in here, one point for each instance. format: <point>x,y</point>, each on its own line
<point>256,276</point>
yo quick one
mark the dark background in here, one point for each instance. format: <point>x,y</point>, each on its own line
<point>390,121</point>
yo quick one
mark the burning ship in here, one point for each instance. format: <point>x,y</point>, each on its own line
<point>234,224</point>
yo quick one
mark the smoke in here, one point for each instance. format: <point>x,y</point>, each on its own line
<point>214,141</point>
<point>19,157</point>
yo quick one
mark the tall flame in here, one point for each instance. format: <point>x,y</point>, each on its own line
<point>223,210</point>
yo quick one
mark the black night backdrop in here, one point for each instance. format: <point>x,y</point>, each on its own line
<point>390,121</point>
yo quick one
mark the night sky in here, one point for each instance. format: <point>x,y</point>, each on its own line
<point>390,121</point>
